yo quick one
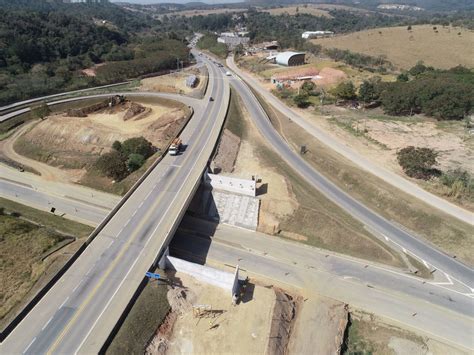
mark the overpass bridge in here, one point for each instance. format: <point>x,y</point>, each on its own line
<point>81,309</point>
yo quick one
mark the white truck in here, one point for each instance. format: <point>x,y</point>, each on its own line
<point>175,146</point>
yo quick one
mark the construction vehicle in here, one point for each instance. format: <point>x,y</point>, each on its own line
<point>175,146</point>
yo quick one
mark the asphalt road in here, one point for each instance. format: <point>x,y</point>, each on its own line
<point>349,153</point>
<point>48,97</point>
<point>71,201</point>
<point>389,232</point>
<point>422,305</point>
<point>78,313</point>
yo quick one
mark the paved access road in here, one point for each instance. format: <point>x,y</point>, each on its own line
<point>43,98</point>
<point>346,151</point>
<point>71,201</point>
<point>415,303</point>
<point>389,232</point>
<point>79,312</point>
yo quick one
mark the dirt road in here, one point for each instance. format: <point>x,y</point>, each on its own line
<point>47,172</point>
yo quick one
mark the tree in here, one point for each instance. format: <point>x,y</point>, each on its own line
<point>137,145</point>
<point>368,92</point>
<point>301,100</point>
<point>409,28</point>
<point>345,91</point>
<point>117,146</point>
<point>418,162</point>
<point>112,164</point>
<point>403,77</point>
<point>308,87</point>
<point>135,161</point>
<point>41,111</point>
<point>419,68</point>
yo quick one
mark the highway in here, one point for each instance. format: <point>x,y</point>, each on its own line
<point>48,97</point>
<point>81,309</point>
<point>387,231</point>
<point>415,303</point>
<point>349,153</point>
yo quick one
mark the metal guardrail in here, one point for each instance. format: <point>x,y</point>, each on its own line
<point>44,290</point>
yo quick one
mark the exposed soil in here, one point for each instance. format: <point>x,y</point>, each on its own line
<point>61,147</point>
<point>241,329</point>
<point>227,152</point>
<point>278,201</point>
<point>284,314</point>
<point>369,334</point>
<point>319,327</point>
<point>174,82</point>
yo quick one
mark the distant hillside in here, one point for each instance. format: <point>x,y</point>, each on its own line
<point>438,46</point>
<point>430,5</point>
<point>46,45</point>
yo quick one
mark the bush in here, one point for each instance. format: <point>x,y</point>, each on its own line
<point>345,91</point>
<point>459,182</point>
<point>137,145</point>
<point>368,91</point>
<point>418,162</point>
<point>301,100</point>
<point>308,87</point>
<point>41,111</point>
<point>117,146</point>
<point>112,164</point>
<point>135,161</point>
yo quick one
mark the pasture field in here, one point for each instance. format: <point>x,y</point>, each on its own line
<point>439,46</point>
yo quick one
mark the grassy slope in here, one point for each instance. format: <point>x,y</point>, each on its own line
<point>446,232</point>
<point>368,337</point>
<point>23,243</point>
<point>323,223</point>
<point>146,315</point>
<point>404,48</point>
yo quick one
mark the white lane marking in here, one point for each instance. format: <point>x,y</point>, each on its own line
<point>46,324</point>
<point>24,351</point>
<point>75,288</point>
<point>62,304</point>
<point>108,246</point>
<point>149,193</point>
<point>450,278</point>
<point>141,204</point>
<point>88,271</point>
<point>143,249</point>
<point>425,263</point>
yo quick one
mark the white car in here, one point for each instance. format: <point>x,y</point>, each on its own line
<point>228,73</point>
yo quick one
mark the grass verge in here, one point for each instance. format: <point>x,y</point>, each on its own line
<point>448,233</point>
<point>366,336</point>
<point>324,224</point>
<point>27,236</point>
<point>146,315</point>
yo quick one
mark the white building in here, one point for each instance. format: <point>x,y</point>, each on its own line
<point>316,34</point>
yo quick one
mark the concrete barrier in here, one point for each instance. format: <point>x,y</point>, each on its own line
<point>231,184</point>
<point>40,294</point>
<point>218,278</point>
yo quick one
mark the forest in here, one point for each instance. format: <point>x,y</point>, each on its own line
<point>443,94</point>
<point>43,47</point>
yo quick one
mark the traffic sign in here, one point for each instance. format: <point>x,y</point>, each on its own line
<point>152,275</point>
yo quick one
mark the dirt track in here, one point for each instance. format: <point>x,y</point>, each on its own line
<point>47,172</point>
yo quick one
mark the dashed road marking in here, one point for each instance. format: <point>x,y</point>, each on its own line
<point>29,345</point>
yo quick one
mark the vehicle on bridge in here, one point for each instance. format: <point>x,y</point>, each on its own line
<point>175,146</point>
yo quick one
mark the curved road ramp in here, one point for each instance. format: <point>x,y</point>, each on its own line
<point>80,310</point>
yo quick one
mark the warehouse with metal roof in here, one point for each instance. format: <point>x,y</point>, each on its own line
<point>290,59</point>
